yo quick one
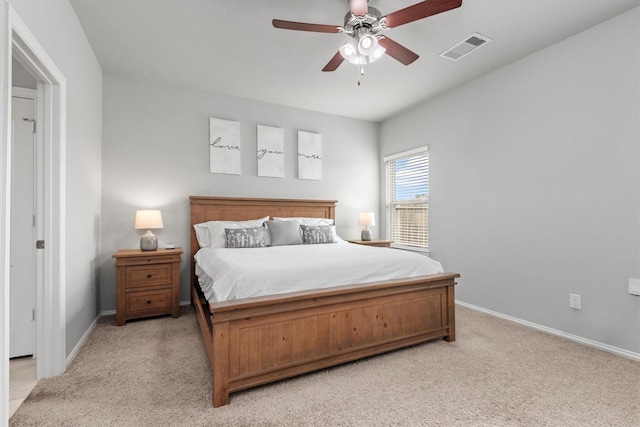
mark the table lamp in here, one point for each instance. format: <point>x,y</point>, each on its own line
<point>148,219</point>
<point>366,219</point>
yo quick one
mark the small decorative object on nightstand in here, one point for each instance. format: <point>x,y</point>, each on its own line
<point>148,219</point>
<point>378,243</point>
<point>366,219</point>
<point>147,283</point>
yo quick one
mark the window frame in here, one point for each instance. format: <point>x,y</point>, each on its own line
<point>389,203</point>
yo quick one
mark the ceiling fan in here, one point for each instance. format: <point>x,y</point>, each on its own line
<point>364,23</point>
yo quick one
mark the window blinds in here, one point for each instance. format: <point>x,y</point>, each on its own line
<point>407,204</point>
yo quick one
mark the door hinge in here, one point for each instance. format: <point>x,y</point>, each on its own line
<point>33,314</point>
<point>39,244</point>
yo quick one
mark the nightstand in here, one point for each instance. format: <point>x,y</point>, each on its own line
<point>147,283</point>
<point>377,243</point>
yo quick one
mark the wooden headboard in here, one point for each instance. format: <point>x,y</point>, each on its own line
<point>205,209</point>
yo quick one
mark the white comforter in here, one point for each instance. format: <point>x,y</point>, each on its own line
<point>227,274</point>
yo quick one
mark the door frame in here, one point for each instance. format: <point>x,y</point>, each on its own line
<point>16,40</point>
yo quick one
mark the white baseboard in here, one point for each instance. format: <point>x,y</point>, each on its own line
<point>601,346</point>
<point>78,346</point>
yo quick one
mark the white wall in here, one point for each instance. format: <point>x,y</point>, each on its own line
<point>535,183</point>
<point>156,154</point>
<point>56,27</point>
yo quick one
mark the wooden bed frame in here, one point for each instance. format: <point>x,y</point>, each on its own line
<point>255,341</point>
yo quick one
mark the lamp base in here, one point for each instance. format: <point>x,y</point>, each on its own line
<point>365,235</point>
<point>148,241</point>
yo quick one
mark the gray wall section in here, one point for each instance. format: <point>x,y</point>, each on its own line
<point>535,183</point>
<point>156,154</point>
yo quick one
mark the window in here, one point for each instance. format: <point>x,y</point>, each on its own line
<point>407,182</point>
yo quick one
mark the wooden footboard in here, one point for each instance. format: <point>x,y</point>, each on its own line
<point>261,340</point>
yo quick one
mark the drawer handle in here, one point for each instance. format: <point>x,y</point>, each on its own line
<point>149,302</point>
<point>149,276</point>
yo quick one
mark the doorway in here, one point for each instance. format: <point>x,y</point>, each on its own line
<point>25,173</point>
<point>22,46</point>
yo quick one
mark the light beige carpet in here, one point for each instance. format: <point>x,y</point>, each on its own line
<point>154,373</point>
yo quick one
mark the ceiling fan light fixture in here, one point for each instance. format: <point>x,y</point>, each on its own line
<point>377,54</point>
<point>349,50</point>
<point>360,50</point>
<point>367,44</point>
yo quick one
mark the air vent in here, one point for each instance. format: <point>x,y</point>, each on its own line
<point>473,42</point>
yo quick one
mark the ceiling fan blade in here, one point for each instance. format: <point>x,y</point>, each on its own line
<point>358,7</point>
<point>397,51</point>
<point>302,26</point>
<point>334,63</point>
<point>419,11</point>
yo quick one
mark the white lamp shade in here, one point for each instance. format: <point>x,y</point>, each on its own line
<point>349,50</point>
<point>377,54</point>
<point>366,218</point>
<point>148,219</point>
<point>367,45</point>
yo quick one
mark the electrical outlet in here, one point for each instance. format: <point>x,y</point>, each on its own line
<point>574,301</point>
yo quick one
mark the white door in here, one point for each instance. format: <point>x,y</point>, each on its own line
<point>23,277</point>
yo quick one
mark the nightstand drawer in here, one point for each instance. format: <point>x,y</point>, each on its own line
<point>148,275</point>
<point>144,303</point>
<point>142,260</point>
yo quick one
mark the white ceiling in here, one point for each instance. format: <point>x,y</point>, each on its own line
<point>230,47</point>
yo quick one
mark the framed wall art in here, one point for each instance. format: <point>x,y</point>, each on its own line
<point>270,151</point>
<point>224,146</point>
<point>309,155</point>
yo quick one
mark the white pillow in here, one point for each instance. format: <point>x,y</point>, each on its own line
<point>337,238</point>
<point>211,234</point>
<point>307,221</point>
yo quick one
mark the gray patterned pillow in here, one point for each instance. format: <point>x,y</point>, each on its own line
<point>245,237</point>
<point>314,234</point>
